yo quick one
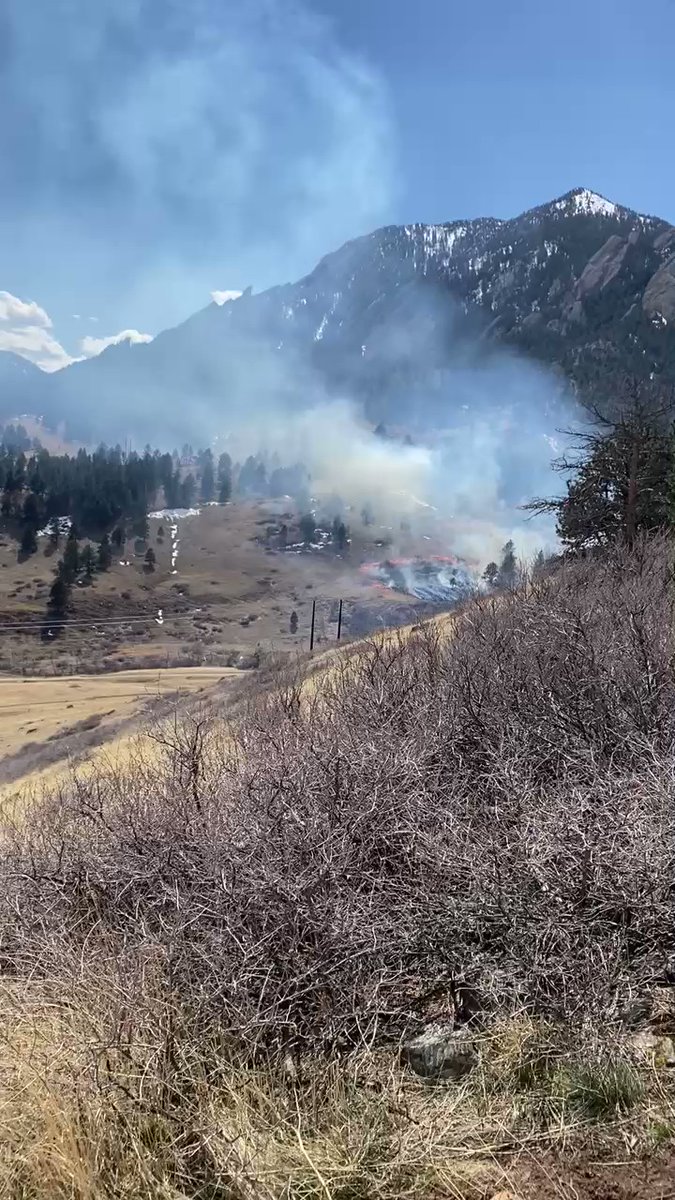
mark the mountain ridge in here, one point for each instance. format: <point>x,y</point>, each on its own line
<point>582,284</point>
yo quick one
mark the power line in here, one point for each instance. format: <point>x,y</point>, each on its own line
<point>95,623</point>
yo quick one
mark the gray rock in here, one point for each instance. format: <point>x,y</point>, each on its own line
<point>573,311</point>
<point>665,240</point>
<point>659,297</point>
<point>533,320</point>
<point>603,267</point>
<point>440,1052</point>
<point>656,1048</point>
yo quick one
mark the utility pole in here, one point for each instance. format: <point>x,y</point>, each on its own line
<point>339,628</point>
<point>311,636</point>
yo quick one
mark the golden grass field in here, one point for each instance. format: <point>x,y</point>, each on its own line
<point>59,712</point>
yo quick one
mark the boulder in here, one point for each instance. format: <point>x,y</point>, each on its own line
<point>440,1052</point>
<point>657,1049</point>
<point>603,267</point>
<point>659,297</point>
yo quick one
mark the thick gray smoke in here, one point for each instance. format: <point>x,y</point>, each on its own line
<point>153,151</point>
<point>466,482</point>
<point>458,463</point>
<point>166,151</point>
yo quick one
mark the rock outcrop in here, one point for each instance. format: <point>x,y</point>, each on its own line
<point>659,297</point>
<point>604,266</point>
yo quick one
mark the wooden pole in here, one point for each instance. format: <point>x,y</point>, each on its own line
<point>339,628</point>
<point>311,636</point>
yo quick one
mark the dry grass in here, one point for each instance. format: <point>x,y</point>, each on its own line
<point>48,724</point>
<point>81,1117</point>
<point>229,597</point>
<point>214,953</point>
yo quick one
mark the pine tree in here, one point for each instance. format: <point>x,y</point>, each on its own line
<point>150,559</point>
<point>339,535</point>
<point>224,478</point>
<point>31,514</point>
<point>294,622</point>
<point>58,594</point>
<point>71,557</point>
<point>117,537</point>
<point>104,553</point>
<point>491,574</point>
<point>539,565</point>
<point>54,533</point>
<point>29,542</point>
<point>140,527</point>
<point>621,481</point>
<point>506,577</point>
<point>207,482</point>
<point>187,491</point>
<point>87,564</point>
<point>307,528</point>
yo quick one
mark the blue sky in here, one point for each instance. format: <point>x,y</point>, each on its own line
<point>498,105</point>
<point>153,151</point>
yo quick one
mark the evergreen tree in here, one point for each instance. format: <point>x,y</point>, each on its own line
<point>31,514</point>
<point>307,528</point>
<point>339,535</point>
<point>141,526</point>
<point>224,478</point>
<point>29,543</point>
<point>54,533</point>
<point>507,574</point>
<point>621,479</point>
<point>207,482</point>
<point>117,537</point>
<point>87,564</point>
<point>104,553</point>
<point>539,565</point>
<point>71,557</point>
<point>187,491</point>
<point>491,574</point>
<point>150,559</point>
<point>59,593</point>
<point>294,622</point>
<point>671,483</point>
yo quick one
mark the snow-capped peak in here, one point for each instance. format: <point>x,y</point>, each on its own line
<point>583,200</point>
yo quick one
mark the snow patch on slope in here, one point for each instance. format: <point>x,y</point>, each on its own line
<point>589,203</point>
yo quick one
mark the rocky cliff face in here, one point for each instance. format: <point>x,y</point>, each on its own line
<point>581,283</point>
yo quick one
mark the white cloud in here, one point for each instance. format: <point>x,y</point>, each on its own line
<point>24,330</point>
<point>23,312</point>
<point>223,297</point>
<point>37,345</point>
<point>91,346</point>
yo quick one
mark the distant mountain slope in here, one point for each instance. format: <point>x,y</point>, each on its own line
<point>20,382</point>
<point>580,283</point>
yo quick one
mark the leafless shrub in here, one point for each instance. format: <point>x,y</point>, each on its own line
<point>494,808</point>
